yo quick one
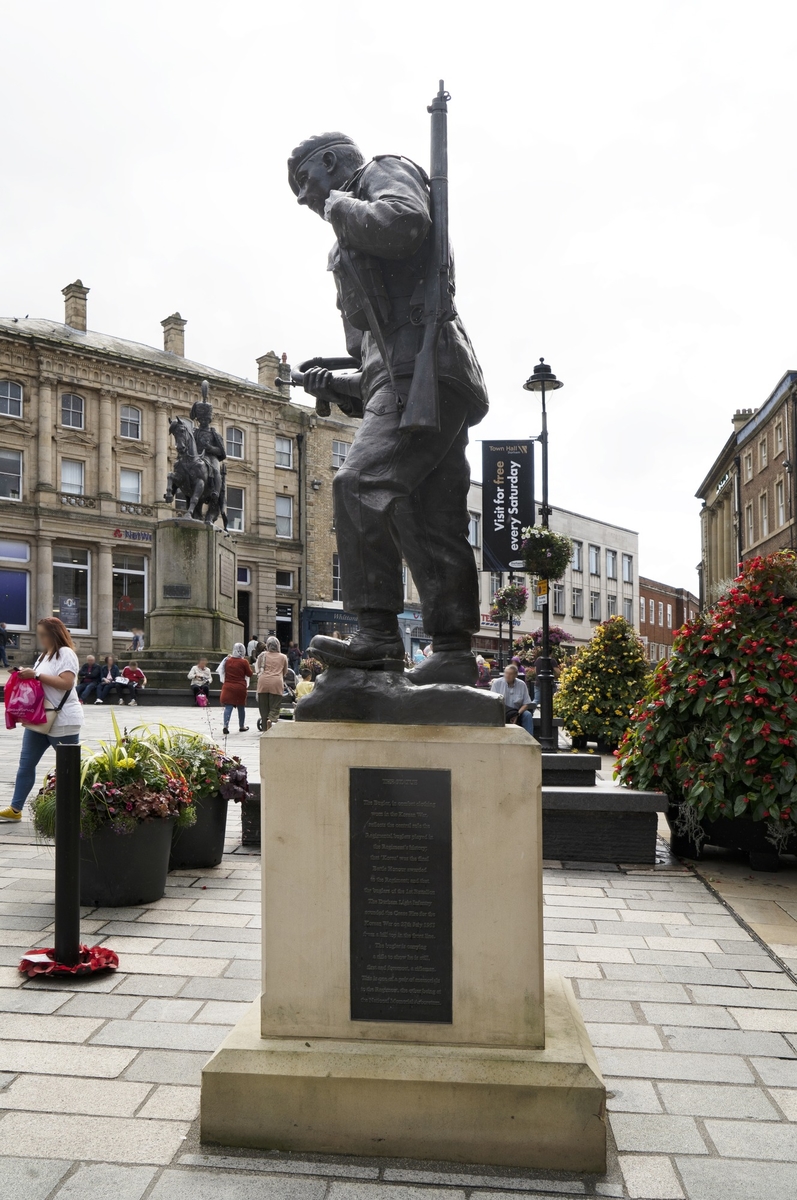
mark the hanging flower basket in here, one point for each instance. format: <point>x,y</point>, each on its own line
<point>545,553</point>
<point>509,602</point>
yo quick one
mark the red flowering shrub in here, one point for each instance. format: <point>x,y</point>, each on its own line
<point>718,725</point>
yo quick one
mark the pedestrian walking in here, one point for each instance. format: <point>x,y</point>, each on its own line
<point>234,672</point>
<point>56,668</point>
<point>251,648</point>
<point>3,644</point>
<point>271,667</point>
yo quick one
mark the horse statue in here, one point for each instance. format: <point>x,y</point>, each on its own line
<point>200,478</point>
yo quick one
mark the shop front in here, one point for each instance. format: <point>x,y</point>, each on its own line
<point>327,620</point>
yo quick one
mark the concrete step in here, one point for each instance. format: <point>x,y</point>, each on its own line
<point>603,823</point>
<point>569,770</point>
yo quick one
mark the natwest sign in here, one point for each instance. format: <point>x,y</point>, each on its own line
<point>133,535</point>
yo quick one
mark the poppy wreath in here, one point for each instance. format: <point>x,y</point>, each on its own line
<point>91,958</point>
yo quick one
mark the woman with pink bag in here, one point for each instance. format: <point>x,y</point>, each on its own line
<point>56,669</point>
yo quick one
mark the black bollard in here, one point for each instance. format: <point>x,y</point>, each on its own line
<point>67,855</point>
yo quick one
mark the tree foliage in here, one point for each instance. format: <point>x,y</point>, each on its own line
<point>600,686</point>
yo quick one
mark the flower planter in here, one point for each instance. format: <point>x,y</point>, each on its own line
<point>117,870</point>
<point>201,844</point>
<point>730,833</point>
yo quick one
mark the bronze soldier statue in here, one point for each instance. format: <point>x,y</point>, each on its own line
<point>209,443</point>
<point>402,492</point>
<point>199,474</point>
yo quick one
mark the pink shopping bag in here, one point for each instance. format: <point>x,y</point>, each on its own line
<point>24,701</point>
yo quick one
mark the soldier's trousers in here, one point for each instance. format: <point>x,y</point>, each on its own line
<point>401,495</point>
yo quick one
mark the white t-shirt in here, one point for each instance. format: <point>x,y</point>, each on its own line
<point>70,718</point>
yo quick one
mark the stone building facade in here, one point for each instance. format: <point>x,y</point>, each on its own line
<point>749,493</point>
<point>84,458</point>
<point>662,610</point>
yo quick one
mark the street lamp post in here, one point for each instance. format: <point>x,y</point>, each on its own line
<point>543,379</point>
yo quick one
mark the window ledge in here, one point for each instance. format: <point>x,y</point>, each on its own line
<point>73,500</point>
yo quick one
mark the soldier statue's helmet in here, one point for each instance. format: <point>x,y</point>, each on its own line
<point>200,410</point>
<point>311,145</point>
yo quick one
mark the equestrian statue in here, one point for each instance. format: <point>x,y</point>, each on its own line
<point>200,473</point>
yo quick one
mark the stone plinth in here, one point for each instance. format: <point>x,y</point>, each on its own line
<point>194,590</point>
<point>406,873</point>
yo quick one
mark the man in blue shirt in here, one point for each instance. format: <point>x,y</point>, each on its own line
<point>517,701</point>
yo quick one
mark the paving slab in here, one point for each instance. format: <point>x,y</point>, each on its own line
<point>30,1178</point>
<point>106,1181</point>
<point>718,1179</point>
<point>90,1097</point>
<point>186,1184</point>
<point>650,1177</point>
<point>116,1138</point>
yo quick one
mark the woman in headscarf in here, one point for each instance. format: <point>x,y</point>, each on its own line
<point>234,672</point>
<point>271,667</point>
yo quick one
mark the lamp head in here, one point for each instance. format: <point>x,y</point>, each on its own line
<point>542,376</point>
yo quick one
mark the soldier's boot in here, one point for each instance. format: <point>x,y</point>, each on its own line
<point>451,661</point>
<point>377,645</point>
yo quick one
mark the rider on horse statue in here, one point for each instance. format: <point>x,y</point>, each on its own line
<point>199,475</point>
<point>208,442</point>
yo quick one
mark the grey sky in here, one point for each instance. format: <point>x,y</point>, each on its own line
<point>622,201</point>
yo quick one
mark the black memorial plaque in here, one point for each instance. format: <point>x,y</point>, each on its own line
<point>401,946</point>
<point>177,591</point>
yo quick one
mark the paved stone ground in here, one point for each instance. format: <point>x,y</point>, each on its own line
<point>693,1019</point>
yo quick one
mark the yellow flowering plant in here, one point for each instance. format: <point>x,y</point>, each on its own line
<point>601,684</point>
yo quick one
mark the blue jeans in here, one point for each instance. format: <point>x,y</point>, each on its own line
<point>3,656</point>
<point>228,713</point>
<point>33,747</point>
<point>527,721</point>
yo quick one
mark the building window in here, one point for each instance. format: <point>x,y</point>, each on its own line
<point>336,592</point>
<point>284,453</point>
<point>628,568</point>
<point>234,442</point>
<point>594,606</point>
<point>72,410</point>
<point>129,592</point>
<point>577,561</point>
<point>339,452</point>
<point>652,612</point>
<point>235,509</point>
<point>558,599</point>
<point>243,576</point>
<point>284,514</point>
<point>594,560</point>
<point>496,580</point>
<point>661,612</point>
<point>611,564</point>
<point>748,514</point>
<point>473,529</point>
<point>669,616</point>
<point>285,580</point>
<point>641,610</point>
<point>15,586</point>
<point>578,602</point>
<point>611,605</point>
<point>763,511</point>
<point>10,399</point>
<point>130,486</point>
<point>763,456</point>
<point>779,438</point>
<point>71,587</point>
<point>130,422</point>
<point>10,474</point>
<point>748,465</point>
<point>780,502</point>
<point>72,476</point>
<point>628,609</point>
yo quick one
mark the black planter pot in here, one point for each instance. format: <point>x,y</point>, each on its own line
<point>117,869</point>
<point>201,844</point>
<point>731,833</point>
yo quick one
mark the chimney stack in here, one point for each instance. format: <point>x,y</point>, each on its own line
<point>75,297</point>
<point>174,335</point>
<point>741,417</point>
<point>268,369</point>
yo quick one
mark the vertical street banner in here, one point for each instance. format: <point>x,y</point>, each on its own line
<point>507,502</point>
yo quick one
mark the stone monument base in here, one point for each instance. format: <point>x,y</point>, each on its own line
<point>471,1104</point>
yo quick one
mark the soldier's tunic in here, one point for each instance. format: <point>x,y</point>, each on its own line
<point>402,495</point>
